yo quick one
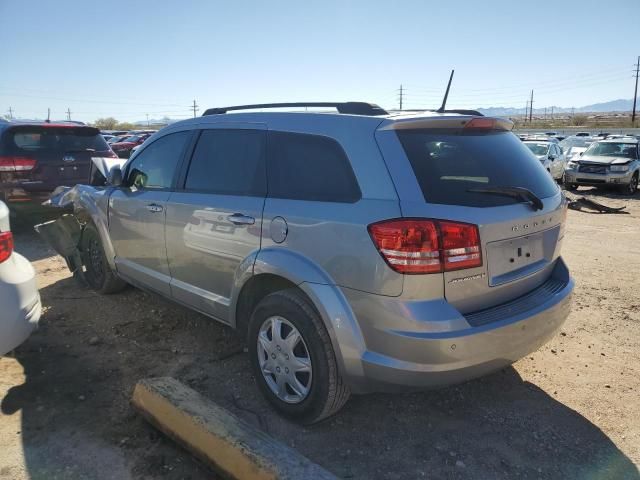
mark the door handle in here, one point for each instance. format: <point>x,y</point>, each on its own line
<point>240,219</point>
<point>154,207</point>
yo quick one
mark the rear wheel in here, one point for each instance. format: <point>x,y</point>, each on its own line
<point>97,272</point>
<point>293,360</point>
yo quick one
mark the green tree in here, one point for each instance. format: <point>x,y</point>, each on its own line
<point>108,123</point>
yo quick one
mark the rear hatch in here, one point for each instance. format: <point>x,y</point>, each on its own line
<point>41,157</point>
<point>465,174</point>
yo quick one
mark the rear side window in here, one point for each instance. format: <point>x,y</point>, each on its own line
<point>449,163</point>
<point>155,166</point>
<point>35,139</point>
<point>229,162</point>
<point>309,167</point>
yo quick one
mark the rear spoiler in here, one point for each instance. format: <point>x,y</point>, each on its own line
<point>448,122</point>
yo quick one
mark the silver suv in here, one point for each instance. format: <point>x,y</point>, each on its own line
<point>607,163</point>
<point>358,251</point>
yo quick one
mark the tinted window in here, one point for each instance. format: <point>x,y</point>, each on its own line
<point>228,162</point>
<point>155,166</point>
<point>309,167</point>
<point>538,148</point>
<point>56,139</point>
<point>447,164</point>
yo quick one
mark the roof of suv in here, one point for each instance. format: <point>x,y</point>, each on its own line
<point>38,123</point>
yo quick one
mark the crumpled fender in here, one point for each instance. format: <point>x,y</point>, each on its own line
<point>89,204</point>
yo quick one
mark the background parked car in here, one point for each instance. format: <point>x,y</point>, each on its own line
<point>19,296</point>
<point>118,138</point>
<point>550,155</point>
<point>124,147</point>
<point>37,157</point>
<point>607,163</point>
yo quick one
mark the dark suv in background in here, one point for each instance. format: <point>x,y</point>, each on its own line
<point>37,157</point>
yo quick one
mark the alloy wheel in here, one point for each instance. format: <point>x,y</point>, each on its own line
<point>285,361</point>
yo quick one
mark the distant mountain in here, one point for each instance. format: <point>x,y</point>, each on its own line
<point>621,105</point>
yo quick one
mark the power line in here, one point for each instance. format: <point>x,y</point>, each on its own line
<point>635,92</point>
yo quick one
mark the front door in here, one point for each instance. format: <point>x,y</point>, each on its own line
<point>214,223</point>
<point>137,212</point>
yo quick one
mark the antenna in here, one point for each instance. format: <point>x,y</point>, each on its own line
<point>446,94</point>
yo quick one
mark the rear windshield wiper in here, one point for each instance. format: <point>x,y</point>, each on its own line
<point>520,193</point>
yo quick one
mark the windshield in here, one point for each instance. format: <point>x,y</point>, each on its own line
<point>133,138</point>
<point>538,148</point>
<point>575,142</point>
<point>449,163</point>
<point>610,149</point>
<point>56,139</point>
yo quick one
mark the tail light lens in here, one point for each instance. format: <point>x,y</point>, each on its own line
<point>6,245</point>
<point>16,164</point>
<point>415,246</point>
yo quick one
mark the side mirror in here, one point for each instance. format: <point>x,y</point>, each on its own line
<point>115,177</point>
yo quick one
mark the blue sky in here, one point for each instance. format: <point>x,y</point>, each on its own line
<point>129,58</point>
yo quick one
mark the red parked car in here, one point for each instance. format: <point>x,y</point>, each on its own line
<point>37,157</point>
<point>123,148</point>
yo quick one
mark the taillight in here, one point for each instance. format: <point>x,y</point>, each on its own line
<point>16,164</point>
<point>460,245</point>
<point>415,246</point>
<point>6,245</point>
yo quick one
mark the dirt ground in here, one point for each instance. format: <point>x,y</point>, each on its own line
<point>569,410</point>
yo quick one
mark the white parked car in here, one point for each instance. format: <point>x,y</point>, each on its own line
<point>19,297</point>
<point>550,155</point>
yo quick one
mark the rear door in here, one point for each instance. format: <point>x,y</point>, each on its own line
<point>137,212</point>
<point>214,223</point>
<point>61,154</point>
<point>436,171</point>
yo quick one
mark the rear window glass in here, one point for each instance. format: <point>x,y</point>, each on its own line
<point>449,163</point>
<point>56,139</point>
<point>309,167</point>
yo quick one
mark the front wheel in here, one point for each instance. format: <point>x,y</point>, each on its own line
<point>632,187</point>
<point>293,360</point>
<point>97,272</point>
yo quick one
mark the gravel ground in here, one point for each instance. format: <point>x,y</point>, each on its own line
<point>569,410</point>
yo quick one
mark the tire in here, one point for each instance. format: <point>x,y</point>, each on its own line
<point>571,187</point>
<point>326,392</point>
<point>97,272</point>
<point>632,187</point>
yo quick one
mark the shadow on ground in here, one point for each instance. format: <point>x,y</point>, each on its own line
<point>82,365</point>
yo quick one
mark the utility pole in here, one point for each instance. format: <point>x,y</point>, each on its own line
<point>401,96</point>
<point>526,111</point>
<point>552,113</point>
<point>531,108</point>
<point>194,108</point>
<point>635,93</point>
<point>68,113</point>
<point>148,119</point>
<point>48,114</point>
<point>10,113</point>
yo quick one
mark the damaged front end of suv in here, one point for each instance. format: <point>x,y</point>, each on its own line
<point>83,205</point>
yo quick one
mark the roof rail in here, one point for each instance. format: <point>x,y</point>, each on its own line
<point>353,108</point>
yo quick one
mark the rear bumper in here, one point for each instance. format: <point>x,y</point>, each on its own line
<point>580,178</point>
<point>20,199</point>
<point>20,300</point>
<point>443,347</point>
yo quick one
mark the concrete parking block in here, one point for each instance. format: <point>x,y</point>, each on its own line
<point>224,441</point>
